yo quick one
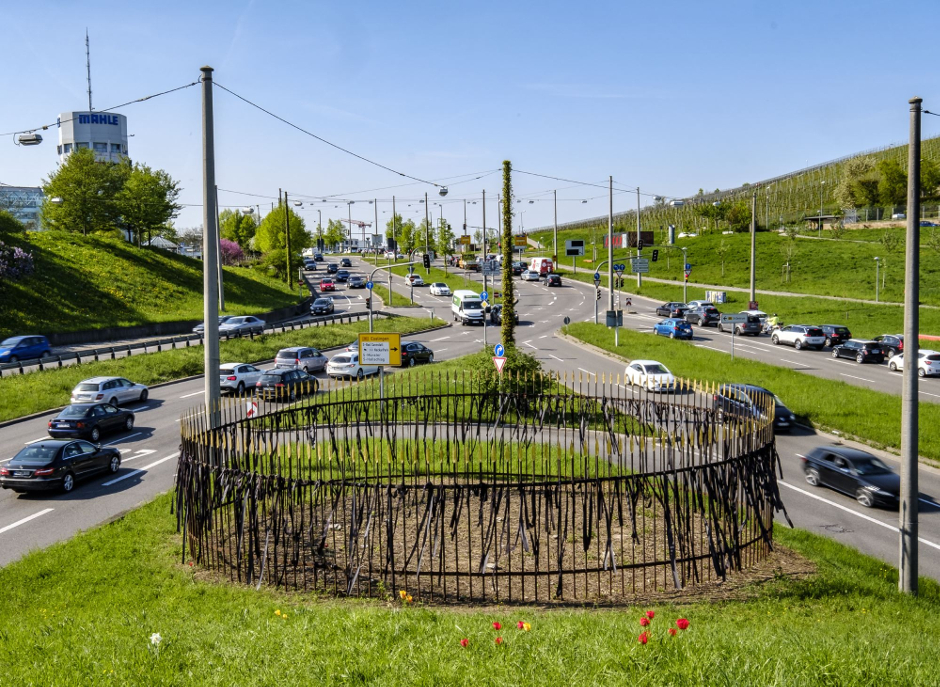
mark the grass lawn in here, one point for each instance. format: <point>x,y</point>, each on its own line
<point>37,391</point>
<point>86,612</point>
<point>87,282</point>
<point>871,416</point>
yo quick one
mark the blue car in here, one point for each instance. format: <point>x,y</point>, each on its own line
<point>18,348</point>
<point>674,329</point>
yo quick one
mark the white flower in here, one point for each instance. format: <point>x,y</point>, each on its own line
<point>155,639</point>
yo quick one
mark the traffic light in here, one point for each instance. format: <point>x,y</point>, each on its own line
<point>427,261</point>
<point>639,244</point>
<point>369,302</point>
<point>598,294</point>
<point>655,254</point>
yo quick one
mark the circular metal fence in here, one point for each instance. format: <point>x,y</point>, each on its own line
<point>453,488</point>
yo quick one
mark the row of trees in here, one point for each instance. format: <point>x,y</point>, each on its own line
<point>409,236</point>
<point>865,182</point>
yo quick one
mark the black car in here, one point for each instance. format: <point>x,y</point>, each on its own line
<point>322,306</point>
<point>672,309</point>
<point>891,344</point>
<point>310,265</point>
<point>332,268</point>
<point>853,472</point>
<point>553,280</point>
<point>703,316</point>
<point>746,401</point>
<point>345,262</point>
<point>318,257</point>
<point>342,276</point>
<point>57,464</point>
<point>518,268</point>
<point>356,282</point>
<point>836,334</point>
<point>286,385</point>
<point>90,420</point>
<point>861,351</point>
<point>413,353</point>
<point>496,315</point>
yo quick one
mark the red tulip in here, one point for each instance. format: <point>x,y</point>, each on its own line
<point>672,631</point>
<point>520,624</point>
<point>464,643</point>
<point>644,621</point>
<point>644,637</point>
<point>682,623</point>
<point>650,614</point>
<point>497,626</point>
<point>499,640</point>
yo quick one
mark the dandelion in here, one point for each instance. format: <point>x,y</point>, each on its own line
<point>497,626</point>
<point>277,612</point>
<point>464,643</point>
<point>284,616</point>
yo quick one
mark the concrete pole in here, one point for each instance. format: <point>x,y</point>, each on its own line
<point>639,275</point>
<point>210,259</point>
<point>427,227</point>
<point>484,261</point>
<point>610,244</point>
<point>907,515</point>
<point>287,235</point>
<point>375,228</point>
<point>753,246</point>
<point>555,256</point>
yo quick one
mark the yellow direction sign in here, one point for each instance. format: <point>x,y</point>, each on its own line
<point>465,239</point>
<point>379,349</point>
<point>520,240</point>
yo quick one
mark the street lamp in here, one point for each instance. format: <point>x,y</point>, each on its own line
<point>877,266</point>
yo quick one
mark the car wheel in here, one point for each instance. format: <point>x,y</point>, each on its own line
<point>14,359</point>
<point>114,465</point>
<point>430,358</point>
<point>812,477</point>
<point>240,389</point>
<point>114,402</point>
<point>774,340</point>
<point>828,342</point>
<point>143,396</point>
<point>721,329</point>
<point>68,482</point>
<point>920,372</point>
<point>798,345</point>
<point>672,335</point>
<point>859,358</point>
<point>893,367</point>
<point>835,353</point>
<point>129,423</point>
<point>864,497</point>
<point>411,362</point>
<point>95,434</point>
<point>45,354</point>
<point>360,374</point>
<point>292,396</point>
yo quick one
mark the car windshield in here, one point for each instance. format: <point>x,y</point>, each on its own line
<point>656,369</point>
<point>87,387</point>
<point>870,466</point>
<point>321,301</point>
<point>11,342</point>
<point>840,330</point>
<point>472,305</point>
<point>74,411</point>
<point>271,378</point>
<point>39,454</point>
<point>440,285</point>
<point>236,320</point>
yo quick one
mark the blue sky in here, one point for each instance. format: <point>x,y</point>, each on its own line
<point>669,96</point>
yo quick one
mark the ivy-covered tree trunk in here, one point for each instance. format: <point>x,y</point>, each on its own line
<point>509,307</point>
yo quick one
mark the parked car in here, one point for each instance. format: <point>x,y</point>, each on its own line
<point>326,284</point>
<point>703,315</point>
<point>286,385</point>
<point>861,351</point>
<point>322,306</point>
<point>891,344</point>
<point>413,353</point>
<point>347,365</point>
<point>748,400</point>
<point>673,328</point>
<point>799,336</point>
<point>553,280</point>
<point>530,275</point>
<point>57,464</point>
<point>242,325</point>
<point>300,358</point>
<point>836,334</point>
<point>928,363</point>
<point>672,309</point>
<point>113,390</point>
<point>687,235</point>
<point>356,282</point>
<point>236,377</point>
<point>414,279</point>
<point>90,421</point>
<point>440,289</point>
<point>496,315</point>
<point>650,374</point>
<point>201,327</point>
<point>345,262</point>
<point>898,215</point>
<point>332,268</point>
<point>18,348</point>
<point>852,472</point>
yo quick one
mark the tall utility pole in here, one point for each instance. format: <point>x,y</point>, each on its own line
<point>219,261</point>
<point>555,239</point>
<point>375,230</point>
<point>427,226</point>
<point>484,256</point>
<point>610,246</point>
<point>287,235</point>
<point>907,514</point>
<point>210,250</point>
<point>753,245</point>
<point>639,275</point>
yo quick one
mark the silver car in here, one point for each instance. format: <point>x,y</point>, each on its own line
<point>113,390</point>
<point>300,358</point>
<point>243,324</point>
<point>201,327</point>
<point>236,377</point>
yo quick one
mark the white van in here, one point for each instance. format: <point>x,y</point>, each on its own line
<point>467,307</point>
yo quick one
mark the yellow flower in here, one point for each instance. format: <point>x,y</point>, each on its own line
<point>526,627</point>
<point>284,615</point>
<point>277,612</point>
<point>403,594</point>
<point>408,599</point>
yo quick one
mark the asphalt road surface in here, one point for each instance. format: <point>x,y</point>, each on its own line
<point>34,521</point>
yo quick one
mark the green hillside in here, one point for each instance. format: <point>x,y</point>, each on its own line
<point>87,282</point>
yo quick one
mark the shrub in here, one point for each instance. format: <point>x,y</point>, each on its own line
<point>15,263</point>
<point>232,253</point>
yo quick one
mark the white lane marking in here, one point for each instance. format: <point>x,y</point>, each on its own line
<point>142,453</point>
<point>861,378</point>
<point>544,337</point>
<point>855,512</point>
<point>129,436</point>
<point>526,343</point>
<point>793,362</point>
<point>929,394</point>
<point>441,350</point>
<point>27,443</point>
<point>441,339</point>
<point>139,470</point>
<point>586,371</point>
<point>195,393</point>
<point>843,362</point>
<point>556,358</point>
<point>711,347</point>
<point>25,520</point>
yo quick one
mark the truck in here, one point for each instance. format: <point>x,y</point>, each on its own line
<point>467,307</point>
<point>541,265</point>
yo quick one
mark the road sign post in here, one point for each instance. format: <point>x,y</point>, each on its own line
<point>597,296</point>
<point>369,286</point>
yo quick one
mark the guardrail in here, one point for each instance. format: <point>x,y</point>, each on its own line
<point>158,345</point>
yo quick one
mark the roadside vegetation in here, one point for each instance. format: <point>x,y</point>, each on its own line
<point>144,616</point>
<point>38,391</point>
<point>871,416</point>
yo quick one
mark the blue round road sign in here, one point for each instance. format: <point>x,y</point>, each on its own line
<point>688,265</point>
<point>597,276</point>
<point>499,350</point>
<point>369,284</point>
<point>484,296</point>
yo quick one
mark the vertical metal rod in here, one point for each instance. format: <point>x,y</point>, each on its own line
<point>639,275</point>
<point>555,239</point>
<point>610,244</point>
<point>753,246</point>
<point>907,515</point>
<point>210,249</point>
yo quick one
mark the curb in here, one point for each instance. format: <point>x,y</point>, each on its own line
<point>53,411</point>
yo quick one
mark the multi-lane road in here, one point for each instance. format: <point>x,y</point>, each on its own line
<point>28,522</point>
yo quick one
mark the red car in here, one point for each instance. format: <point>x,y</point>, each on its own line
<point>327,285</point>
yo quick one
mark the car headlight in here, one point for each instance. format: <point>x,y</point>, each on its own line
<point>793,417</point>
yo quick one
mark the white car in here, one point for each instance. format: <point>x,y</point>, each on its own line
<point>687,235</point>
<point>113,390</point>
<point>530,275</point>
<point>650,374</point>
<point>236,377</point>
<point>800,336</point>
<point>701,304</point>
<point>414,279</point>
<point>242,325</point>
<point>440,289</point>
<point>390,255</point>
<point>347,365</point>
<point>898,215</point>
<point>928,363</point>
